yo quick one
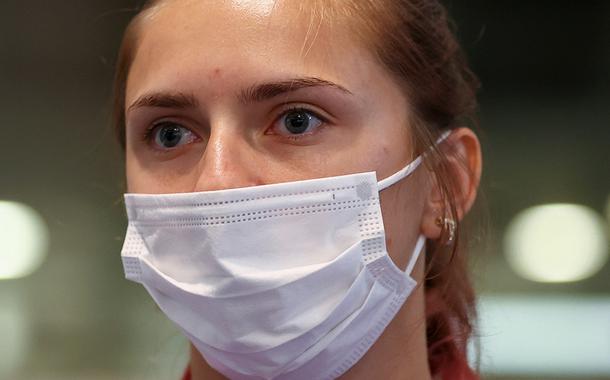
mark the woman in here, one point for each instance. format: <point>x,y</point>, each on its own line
<point>255,135</point>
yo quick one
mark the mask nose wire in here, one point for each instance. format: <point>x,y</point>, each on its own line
<point>410,168</point>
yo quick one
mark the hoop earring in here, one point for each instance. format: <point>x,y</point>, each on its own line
<point>448,224</point>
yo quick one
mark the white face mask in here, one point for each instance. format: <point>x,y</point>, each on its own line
<point>289,281</point>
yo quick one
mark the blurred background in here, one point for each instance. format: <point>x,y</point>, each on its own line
<point>541,268</point>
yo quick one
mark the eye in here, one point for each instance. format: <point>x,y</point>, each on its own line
<point>169,135</point>
<point>297,122</point>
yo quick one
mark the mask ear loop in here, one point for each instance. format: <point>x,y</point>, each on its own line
<point>399,175</point>
<point>407,170</point>
<point>419,247</point>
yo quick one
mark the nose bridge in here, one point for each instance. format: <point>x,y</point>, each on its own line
<point>227,162</point>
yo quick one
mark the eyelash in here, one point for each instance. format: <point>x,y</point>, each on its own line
<point>147,136</point>
<point>148,133</point>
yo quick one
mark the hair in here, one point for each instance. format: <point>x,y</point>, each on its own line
<point>415,41</point>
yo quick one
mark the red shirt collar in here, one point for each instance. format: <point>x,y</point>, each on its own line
<point>187,374</point>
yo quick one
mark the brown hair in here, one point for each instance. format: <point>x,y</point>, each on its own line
<point>414,41</point>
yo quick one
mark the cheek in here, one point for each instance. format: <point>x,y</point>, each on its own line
<point>158,177</point>
<point>138,181</point>
<point>131,174</point>
<point>402,209</point>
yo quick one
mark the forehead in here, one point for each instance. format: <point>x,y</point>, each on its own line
<point>244,40</point>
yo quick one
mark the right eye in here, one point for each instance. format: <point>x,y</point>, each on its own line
<point>168,135</point>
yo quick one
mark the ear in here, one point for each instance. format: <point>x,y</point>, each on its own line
<point>462,152</point>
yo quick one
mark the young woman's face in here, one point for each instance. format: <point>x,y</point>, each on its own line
<point>227,94</point>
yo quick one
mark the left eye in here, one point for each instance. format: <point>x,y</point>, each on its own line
<point>298,122</point>
<point>168,135</point>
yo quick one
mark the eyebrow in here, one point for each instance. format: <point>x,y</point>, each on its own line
<point>265,91</point>
<point>165,100</point>
<point>255,93</point>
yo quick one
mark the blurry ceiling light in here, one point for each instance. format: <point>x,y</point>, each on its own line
<point>608,212</point>
<point>23,240</point>
<point>16,338</point>
<point>539,336</point>
<point>556,243</point>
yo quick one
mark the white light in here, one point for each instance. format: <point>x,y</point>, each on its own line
<point>16,340</point>
<point>556,243</point>
<point>542,336</point>
<point>23,240</point>
<point>608,212</point>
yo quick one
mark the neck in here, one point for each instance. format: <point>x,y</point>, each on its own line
<point>401,351</point>
<point>200,369</point>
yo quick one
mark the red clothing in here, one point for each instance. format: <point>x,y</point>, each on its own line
<point>187,374</point>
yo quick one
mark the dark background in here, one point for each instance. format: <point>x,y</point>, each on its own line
<point>545,122</point>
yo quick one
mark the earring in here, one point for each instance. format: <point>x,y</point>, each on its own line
<point>449,225</point>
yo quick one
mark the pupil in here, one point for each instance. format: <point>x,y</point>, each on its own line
<point>297,122</point>
<point>170,136</point>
